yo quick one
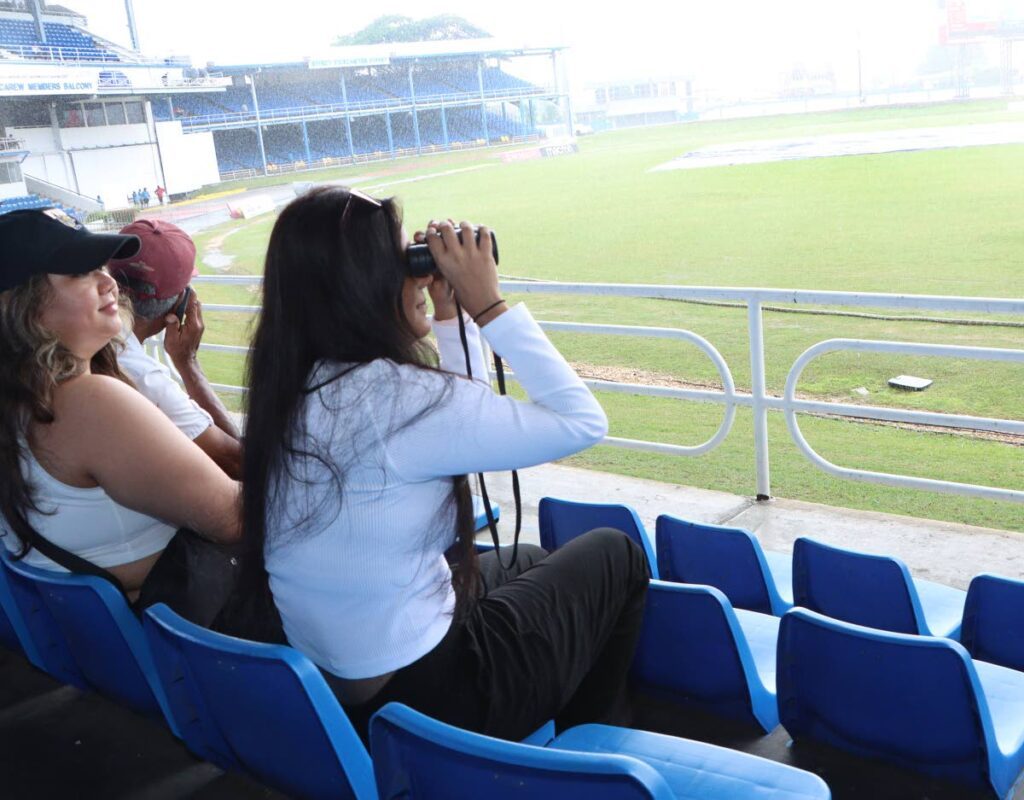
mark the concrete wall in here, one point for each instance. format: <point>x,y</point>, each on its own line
<point>114,160</point>
<point>190,160</point>
<point>12,190</point>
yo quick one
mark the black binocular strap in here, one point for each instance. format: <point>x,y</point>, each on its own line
<point>492,525</point>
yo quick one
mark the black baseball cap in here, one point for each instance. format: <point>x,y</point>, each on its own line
<point>47,240</point>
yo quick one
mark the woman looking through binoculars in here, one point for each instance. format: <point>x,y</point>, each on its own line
<point>357,449</point>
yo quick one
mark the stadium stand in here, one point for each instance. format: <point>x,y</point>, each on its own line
<point>35,201</point>
<point>63,42</point>
<point>695,652</point>
<point>294,98</point>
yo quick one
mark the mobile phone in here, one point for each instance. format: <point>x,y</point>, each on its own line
<point>179,310</point>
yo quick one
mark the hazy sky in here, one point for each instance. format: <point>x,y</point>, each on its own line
<point>735,44</point>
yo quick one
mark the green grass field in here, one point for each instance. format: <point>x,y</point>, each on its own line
<point>928,222</point>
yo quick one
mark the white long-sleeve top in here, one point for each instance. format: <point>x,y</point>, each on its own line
<point>357,565</point>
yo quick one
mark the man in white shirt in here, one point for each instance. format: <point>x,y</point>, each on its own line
<point>156,279</point>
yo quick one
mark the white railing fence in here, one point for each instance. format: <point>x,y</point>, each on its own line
<point>758,400</point>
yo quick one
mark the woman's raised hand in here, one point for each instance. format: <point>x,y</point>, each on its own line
<point>468,266</point>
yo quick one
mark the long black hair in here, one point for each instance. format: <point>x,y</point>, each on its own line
<point>332,293</point>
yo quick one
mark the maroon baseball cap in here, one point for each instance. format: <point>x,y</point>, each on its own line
<point>164,265</point>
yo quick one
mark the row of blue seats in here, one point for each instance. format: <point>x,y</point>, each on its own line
<point>866,589</point>
<point>239,149</point>
<point>913,699</point>
<point>266,710</point>
<point>303,95</point>
<point>35,201</point>
<point>918,701</point>
<point>22,34</point>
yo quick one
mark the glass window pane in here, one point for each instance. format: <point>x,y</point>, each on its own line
<point>134,113</point>
<point>94,115</point>
<point>115,114</point>
<point>73,117</point>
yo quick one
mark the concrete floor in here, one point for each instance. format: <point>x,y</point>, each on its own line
<point>944,552</point>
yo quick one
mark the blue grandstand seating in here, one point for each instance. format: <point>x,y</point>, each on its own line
<point>101,633</point>
<point>917,701</point>
<point>496,78</point>
<point>284,143</point>
<point>561,521</point>
<point>461,80</point>
<point>993,626</point>
<point>418,758</point>
<point>63,42</point>
<point>877,591</point>
<point>29,202</point>
<point>696,650</point>
<point>730,559</point>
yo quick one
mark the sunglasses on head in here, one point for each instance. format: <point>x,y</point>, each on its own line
<point>358,198</point>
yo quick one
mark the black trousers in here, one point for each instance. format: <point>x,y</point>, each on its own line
<point>552,638</point>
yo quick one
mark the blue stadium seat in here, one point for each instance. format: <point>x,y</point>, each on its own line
<point>915,701</point>
<point>876,591</point>
<point>262,708</point>
<point>418,758</point>
<point>696,650</point>
<point>14,634</point>
<point>730,559</point>
<point>51,647</point>
<point>103,637</point>
<point>561,521</point>
<point>993,627</point>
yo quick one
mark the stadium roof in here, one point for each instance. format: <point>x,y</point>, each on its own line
<point>379,54</point>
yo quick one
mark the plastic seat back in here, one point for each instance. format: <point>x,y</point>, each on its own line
<point>418,758</point>
<point>693,650</point>
<point>865,589</point>
<point>911,700</point>
<point>264,708</point>
<point>993,628</point>
<point>14,634</point>
<point>42,629</point>
<point>561,521</point>
<point>730,559</point>
<point>104,638</point>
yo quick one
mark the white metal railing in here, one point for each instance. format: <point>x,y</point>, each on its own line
<point>49,52</point>
<point>361,107</point>
<point>9,144</point>
<point>276,168</point>
<point>758,400</point>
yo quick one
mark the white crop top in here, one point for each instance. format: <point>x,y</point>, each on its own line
<point>87,522</point>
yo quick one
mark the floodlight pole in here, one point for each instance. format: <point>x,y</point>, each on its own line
<point>483,101</point>
<point>133,31</point>
<point>348,117</point>
<point>37,18</point>
<point>259,127</point>
<point>415,115</point>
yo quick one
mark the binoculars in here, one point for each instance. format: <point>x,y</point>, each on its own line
<point>421,262</point>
